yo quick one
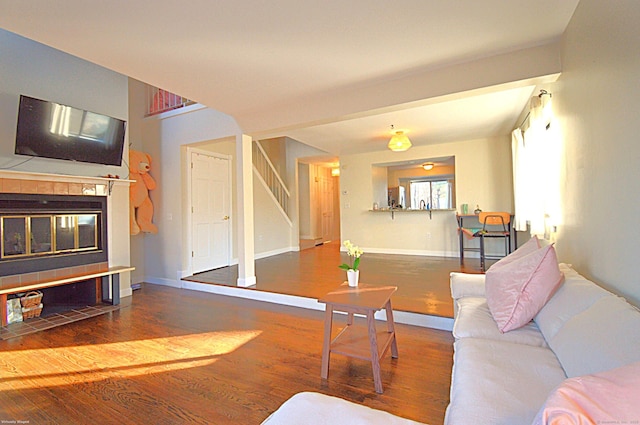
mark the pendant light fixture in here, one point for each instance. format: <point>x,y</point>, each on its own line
<point>399,141</point>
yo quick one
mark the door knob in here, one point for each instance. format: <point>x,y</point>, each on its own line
<point>226,217</point>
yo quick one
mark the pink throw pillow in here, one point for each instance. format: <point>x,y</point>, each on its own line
<point>610,397</point>
<point>528,247</point>
<point>518,290</point>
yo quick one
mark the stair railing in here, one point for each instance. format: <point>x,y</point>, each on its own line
<point>270,177</point>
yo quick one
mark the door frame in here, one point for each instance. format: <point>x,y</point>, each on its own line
<point>188,202</point>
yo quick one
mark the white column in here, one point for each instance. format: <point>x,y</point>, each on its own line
<point>246,248</point>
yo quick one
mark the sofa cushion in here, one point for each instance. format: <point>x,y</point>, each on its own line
<point>474,320</point>
<point>605,398</point>
<point>602,337</point>
<point>315,408</point>
<point>575,295</point>
<point>500,383</point>
<point>518,290</point>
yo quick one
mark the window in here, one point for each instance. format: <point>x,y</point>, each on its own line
<point>431,194</point>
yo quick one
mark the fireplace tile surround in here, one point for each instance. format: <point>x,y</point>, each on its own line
<point>52,184</point>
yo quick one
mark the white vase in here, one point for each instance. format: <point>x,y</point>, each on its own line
<point>352,277</point>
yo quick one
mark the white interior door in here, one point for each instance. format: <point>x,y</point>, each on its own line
<point>326,207</point>
<point>210,212</point>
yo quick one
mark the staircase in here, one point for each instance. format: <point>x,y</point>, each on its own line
<point>271,179</point>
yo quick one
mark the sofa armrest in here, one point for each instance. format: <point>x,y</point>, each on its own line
<point>466,285</point>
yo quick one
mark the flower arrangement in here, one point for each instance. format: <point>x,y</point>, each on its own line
<point>354,252</point>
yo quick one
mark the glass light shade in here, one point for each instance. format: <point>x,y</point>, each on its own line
<point>399,142</point>
<point>428,166</point>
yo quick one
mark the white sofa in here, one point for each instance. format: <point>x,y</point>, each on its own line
<point>505,378</point>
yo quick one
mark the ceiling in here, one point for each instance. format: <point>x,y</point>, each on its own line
<point>333,74</point>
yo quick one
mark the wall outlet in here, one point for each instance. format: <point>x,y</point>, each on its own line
<point>428,235</point>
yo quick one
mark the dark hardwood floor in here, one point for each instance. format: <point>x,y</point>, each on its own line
<point>423,282</point>
<point>176,356</point>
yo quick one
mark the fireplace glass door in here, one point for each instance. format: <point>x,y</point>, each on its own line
<point>36,235</point>
<point>65,229</point>
<point>14,236</point>
<point>40,235</point>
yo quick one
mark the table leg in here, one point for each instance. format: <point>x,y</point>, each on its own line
<point>326,346</point>
<point>391,329</point>
<point>375,359</point>
<point>349,318</point>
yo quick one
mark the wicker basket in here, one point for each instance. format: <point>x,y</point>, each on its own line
<point>31,299</point>
<point>28,313</point>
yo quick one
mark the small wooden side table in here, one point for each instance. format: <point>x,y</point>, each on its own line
<point>353,341</point>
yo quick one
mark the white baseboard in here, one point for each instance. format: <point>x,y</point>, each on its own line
<point>163,281</point>
<point>419,252</point>
<point>275,252</point>
<point>126,292</point>
<point>247,282</point>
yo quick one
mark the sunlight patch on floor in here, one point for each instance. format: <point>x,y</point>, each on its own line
<point>88,363</point>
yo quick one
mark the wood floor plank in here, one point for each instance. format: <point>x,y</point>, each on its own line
<point>179,356</point>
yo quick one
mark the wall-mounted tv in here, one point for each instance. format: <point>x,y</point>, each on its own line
<point>51,130</point>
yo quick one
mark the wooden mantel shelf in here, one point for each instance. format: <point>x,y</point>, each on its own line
<point>29,175</point>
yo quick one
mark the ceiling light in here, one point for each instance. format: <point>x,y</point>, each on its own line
<point>399,142</point>
<point>428,166</point>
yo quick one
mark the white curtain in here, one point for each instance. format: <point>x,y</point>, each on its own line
<point>519,180</point>
<point>535,170</point>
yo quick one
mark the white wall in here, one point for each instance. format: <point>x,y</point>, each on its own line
<point>272,232</point>
<point>483,176</point>
<point>165,254</point>
<point>30,68</point>
<point>597,103</point>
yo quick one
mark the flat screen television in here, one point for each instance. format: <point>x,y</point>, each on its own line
<point>51,130</point>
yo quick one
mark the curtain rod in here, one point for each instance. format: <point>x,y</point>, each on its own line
<point>542,93</point>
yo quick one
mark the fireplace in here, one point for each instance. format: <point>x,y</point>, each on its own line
<point>46,232</point>
<point>67,237</point>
